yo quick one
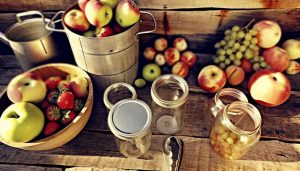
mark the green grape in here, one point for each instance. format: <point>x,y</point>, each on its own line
<point>237,62</point>
<point>261,59</point>
<point>221,58</point>
<point>226,47</point>
<point>241,34</point>
<point>236,45</point>
<point>217,45</point>
<point>256,59</point>
<point>253,32</point>
<point>248,36</point>
<point>232,57</point>
<point>222,42</point>
<point>239,55</point>
<point>253,47</point>
<point>227,32</point>
<point>227,38</point>
<point>227,61</point>
<point>249,54</point>
<point>222,65</point>
<point>221,52</point>
<point>254,41</point>
<point>256,66</point>
<point>246,42</point>
<point>243,48</point>
<point>228,51</point>
<point>235,28</point>
<point>230,43</point>
<point>233,35</point>
<point>216,60</point>
<point>263,64</point>
<point>234,50</point>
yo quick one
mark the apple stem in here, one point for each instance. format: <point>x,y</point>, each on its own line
<point>250,22</point>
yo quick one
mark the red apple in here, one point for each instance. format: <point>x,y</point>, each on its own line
<point>172,55</point>
<point>269,88</point>
<point>211,78</point>
<point>160,44</point>
<point>180,69</point>
<point>97,13</point>
<point>76,20</point>
<point>104,32</point>
<point>149,53</point>
<point>117,29</point>
<point>246,65</point>
<point>189,58</point>
<point>235,75</point>
<point>277,58</point>
<point>127,13</point>
<point>180,44</point>
<point>82,4</point>
<point>293,68</point>
<point>268,33</point>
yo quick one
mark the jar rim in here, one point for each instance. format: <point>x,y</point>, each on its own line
<point>166,79</point>
<point>229,91</point>
<point>253,112</point>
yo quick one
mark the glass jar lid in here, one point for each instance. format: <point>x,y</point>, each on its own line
<point>130,118</point>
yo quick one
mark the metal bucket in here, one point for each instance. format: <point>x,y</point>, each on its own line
<point>111,58</point>
<point>31,42</point>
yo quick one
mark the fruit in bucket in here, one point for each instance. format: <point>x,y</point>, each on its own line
<point>269,88</point>
<point>151,72</point>
<point>211,78</point>
<point>82,4</point>
<point>76,20</point>
<point>268,33</point>
<point>21,122</point>
<point>21,88</point>
<point>277,58</point>
<point>104,31</point>
<point>111,3</point>
<point>127,13</point>
<point>97,13</point>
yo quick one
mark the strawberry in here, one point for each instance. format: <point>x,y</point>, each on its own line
<point>68,116</point>
<point>52,96</point>
<point>52,82</point>
<point>66,100</point>
<point>50,128</point>
<point>63,86</point>
<point>45,104</point>
<point>78,105</point>
<point>53,113</point>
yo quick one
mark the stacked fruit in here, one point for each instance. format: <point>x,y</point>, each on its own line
<point>95,17</point>
<point>177,57</point>
<point>57,100</point>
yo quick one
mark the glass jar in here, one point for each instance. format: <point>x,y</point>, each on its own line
<point>117,92</point>
<point>236,129</point>
<point>130,122</point>
<point>169,95</point>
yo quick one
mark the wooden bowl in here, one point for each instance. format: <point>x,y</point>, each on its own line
<point>71,130</point>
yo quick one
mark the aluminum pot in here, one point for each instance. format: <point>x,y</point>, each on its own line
<point>31,42</point>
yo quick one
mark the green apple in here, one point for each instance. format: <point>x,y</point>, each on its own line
<point>21,122</point>
<point>127,13</point>
<point>111,3</point>
<point>151,72</point>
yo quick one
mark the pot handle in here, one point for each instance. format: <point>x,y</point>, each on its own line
<point>3,38</point>
<point>154,22</point>
<point>28,13</point>
<point>56,21</point>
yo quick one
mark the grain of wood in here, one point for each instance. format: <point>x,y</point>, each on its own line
<point>16,167</point>
<point>95,169</point>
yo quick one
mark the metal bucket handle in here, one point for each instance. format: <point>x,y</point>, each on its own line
<point>154,22</point>
<point>54,22</point>
<point>28,13</point>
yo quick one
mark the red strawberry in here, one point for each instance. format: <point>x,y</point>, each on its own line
<point>66,100</point>
<point>50,128</point>
<point>45,104</point>
<point>78,105</point>
<point>53,113</point>
<point>52,82</point>
<point>63,86</point>
<point>52,96</point>
<point>68,117</point>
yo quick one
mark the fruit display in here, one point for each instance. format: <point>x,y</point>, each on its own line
<point>102,18</point>
<point>292,46</point>
<point>41,107</point>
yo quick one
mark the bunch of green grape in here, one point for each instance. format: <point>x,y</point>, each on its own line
<point>238,43</point>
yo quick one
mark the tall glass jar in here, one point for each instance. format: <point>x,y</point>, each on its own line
<point>130,122</point>
<point>169,95</point>
<point>236,129</point>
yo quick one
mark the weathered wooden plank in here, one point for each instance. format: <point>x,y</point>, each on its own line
<point>100,151</point>
<point>16,167</point>
<point>44,5</point>
<point>95,169</point>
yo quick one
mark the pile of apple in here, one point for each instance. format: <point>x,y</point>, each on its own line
<point>41,108</point>
<point>102,18</point>
<point>159,57</point>
<point>257,50</point>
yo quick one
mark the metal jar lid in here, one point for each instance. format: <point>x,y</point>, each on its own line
<point>129,119</point>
